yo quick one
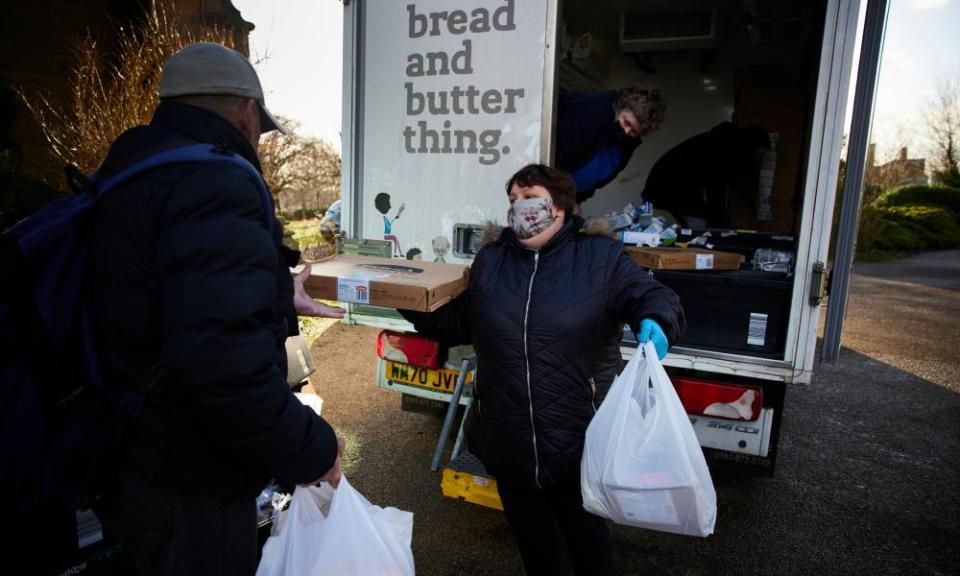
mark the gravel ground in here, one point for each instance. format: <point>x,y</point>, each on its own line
<point>907,314</point>
<point>866,479</point>
<point>940,268</point>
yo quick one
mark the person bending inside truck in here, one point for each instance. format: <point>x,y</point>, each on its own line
<point>597,132</point>
<point>544,309</point>
<point>193,300</point>
<point>697,179</point>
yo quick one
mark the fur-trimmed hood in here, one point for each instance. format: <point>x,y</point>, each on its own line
<point>590,227</point>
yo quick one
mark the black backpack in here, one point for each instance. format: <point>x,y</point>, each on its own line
<point>60,426</point>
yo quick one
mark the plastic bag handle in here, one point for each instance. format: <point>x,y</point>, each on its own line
<point>650,351</point>
<point>658,376</point>
<point>645,397</point>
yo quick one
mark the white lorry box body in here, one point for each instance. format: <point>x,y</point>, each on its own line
<point>444,101</point>
<point>439,119</point>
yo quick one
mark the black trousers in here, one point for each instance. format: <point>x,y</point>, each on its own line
<point>536,514</point>
<point>163,531</point>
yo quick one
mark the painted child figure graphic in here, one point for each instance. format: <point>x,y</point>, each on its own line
<point>382,203</point>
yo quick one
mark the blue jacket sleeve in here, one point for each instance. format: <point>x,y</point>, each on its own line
<point>223,328</point>
<point>585,122</point>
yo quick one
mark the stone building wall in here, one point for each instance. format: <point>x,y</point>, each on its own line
<point>898,172</point>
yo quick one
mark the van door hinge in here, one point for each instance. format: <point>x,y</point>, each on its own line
<point>818,283</point>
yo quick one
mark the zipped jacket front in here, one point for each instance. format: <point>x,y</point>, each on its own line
<point>546,326</point>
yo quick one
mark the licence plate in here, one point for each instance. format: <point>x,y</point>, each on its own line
<point>439,380</point>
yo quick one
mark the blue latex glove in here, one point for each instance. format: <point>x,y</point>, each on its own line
<point>650,330</point>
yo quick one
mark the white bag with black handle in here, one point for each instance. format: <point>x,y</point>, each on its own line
<point>642,465</point>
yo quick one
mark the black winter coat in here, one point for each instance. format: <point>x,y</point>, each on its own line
<point>546,327</point>
<point>191,292</point>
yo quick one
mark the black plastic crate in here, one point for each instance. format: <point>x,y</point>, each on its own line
<point>741,312</point>
<point>745,243</point>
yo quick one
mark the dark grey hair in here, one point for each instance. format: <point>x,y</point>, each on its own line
<point>644,101</point>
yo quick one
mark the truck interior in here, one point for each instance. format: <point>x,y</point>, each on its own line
<point>728,163</point>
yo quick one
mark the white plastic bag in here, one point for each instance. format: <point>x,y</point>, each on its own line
<point>642,465</point>
<point>311,400</point>
<point>337,532</point>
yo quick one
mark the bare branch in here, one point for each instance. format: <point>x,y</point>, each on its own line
<point>943,127</point>
<point>108,99</point>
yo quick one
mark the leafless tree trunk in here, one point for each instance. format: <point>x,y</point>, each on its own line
<point>943,124</point>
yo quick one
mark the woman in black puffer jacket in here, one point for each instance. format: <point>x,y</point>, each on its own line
<point>544,310</point>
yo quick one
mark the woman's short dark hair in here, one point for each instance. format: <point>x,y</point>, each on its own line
<point>558,183</point>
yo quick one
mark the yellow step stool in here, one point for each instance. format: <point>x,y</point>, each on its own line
<point>465,478</point>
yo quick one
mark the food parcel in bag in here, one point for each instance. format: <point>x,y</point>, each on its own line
<point>337,532</point>
<point>642,465</point>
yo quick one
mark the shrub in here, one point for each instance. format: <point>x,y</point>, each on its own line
<point>288,239</point>
<point>307,214</point>
<point>936,228</point>
<point>872,227</point>
<point>907,229</point>
<point>935,196</point>
<point>893,236</point>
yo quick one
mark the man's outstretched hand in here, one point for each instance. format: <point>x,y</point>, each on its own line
<point>307,306</point>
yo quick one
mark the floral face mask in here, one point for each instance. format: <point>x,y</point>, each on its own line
<point>530,216</point>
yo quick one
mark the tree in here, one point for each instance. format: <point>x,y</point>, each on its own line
<point>110,98</point>
<point>943,125</point>
<point>277,152</point>
<point>320,169</point>
<point>307,168</point>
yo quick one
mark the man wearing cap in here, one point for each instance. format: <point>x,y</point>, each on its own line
<point>193,301</point>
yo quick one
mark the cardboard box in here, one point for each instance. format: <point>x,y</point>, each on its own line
<point>388,282</point>
<point>684,258</point>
